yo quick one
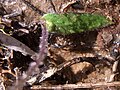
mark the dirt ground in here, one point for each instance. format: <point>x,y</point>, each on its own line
<point>96,51</point>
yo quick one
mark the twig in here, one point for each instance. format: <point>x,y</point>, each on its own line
<point>53,6</point>
<point>75,86</point>
<point>33,7</point>
<point>51,71</point>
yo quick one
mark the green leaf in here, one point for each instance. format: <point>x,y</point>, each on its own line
<point>69,23</point>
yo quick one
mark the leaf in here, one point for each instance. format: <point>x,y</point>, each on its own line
<point>69,23</point>
<point>14,44</point>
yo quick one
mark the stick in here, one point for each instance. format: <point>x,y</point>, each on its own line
<point>75,86</point>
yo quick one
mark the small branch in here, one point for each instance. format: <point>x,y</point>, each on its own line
<point>53,6</point>
<point>51,71</point>
<point>8,71</point>
<point>33,7</point>
<point>76,86</point>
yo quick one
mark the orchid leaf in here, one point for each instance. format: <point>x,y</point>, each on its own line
<point>69,23</point>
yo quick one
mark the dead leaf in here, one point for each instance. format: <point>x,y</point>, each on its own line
<point>14,44</point>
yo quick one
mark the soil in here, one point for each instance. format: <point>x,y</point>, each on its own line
<point>94,48</point>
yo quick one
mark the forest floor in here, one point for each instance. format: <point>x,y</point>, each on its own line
<point>94,54</point>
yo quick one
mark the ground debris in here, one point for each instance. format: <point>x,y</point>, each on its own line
<point>81,60</point>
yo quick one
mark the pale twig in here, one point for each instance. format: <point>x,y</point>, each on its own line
<point>76,86</point>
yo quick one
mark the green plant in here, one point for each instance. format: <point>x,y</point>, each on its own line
<point>69,23</point>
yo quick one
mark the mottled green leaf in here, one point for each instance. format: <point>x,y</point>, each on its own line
<point>69,23</point>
